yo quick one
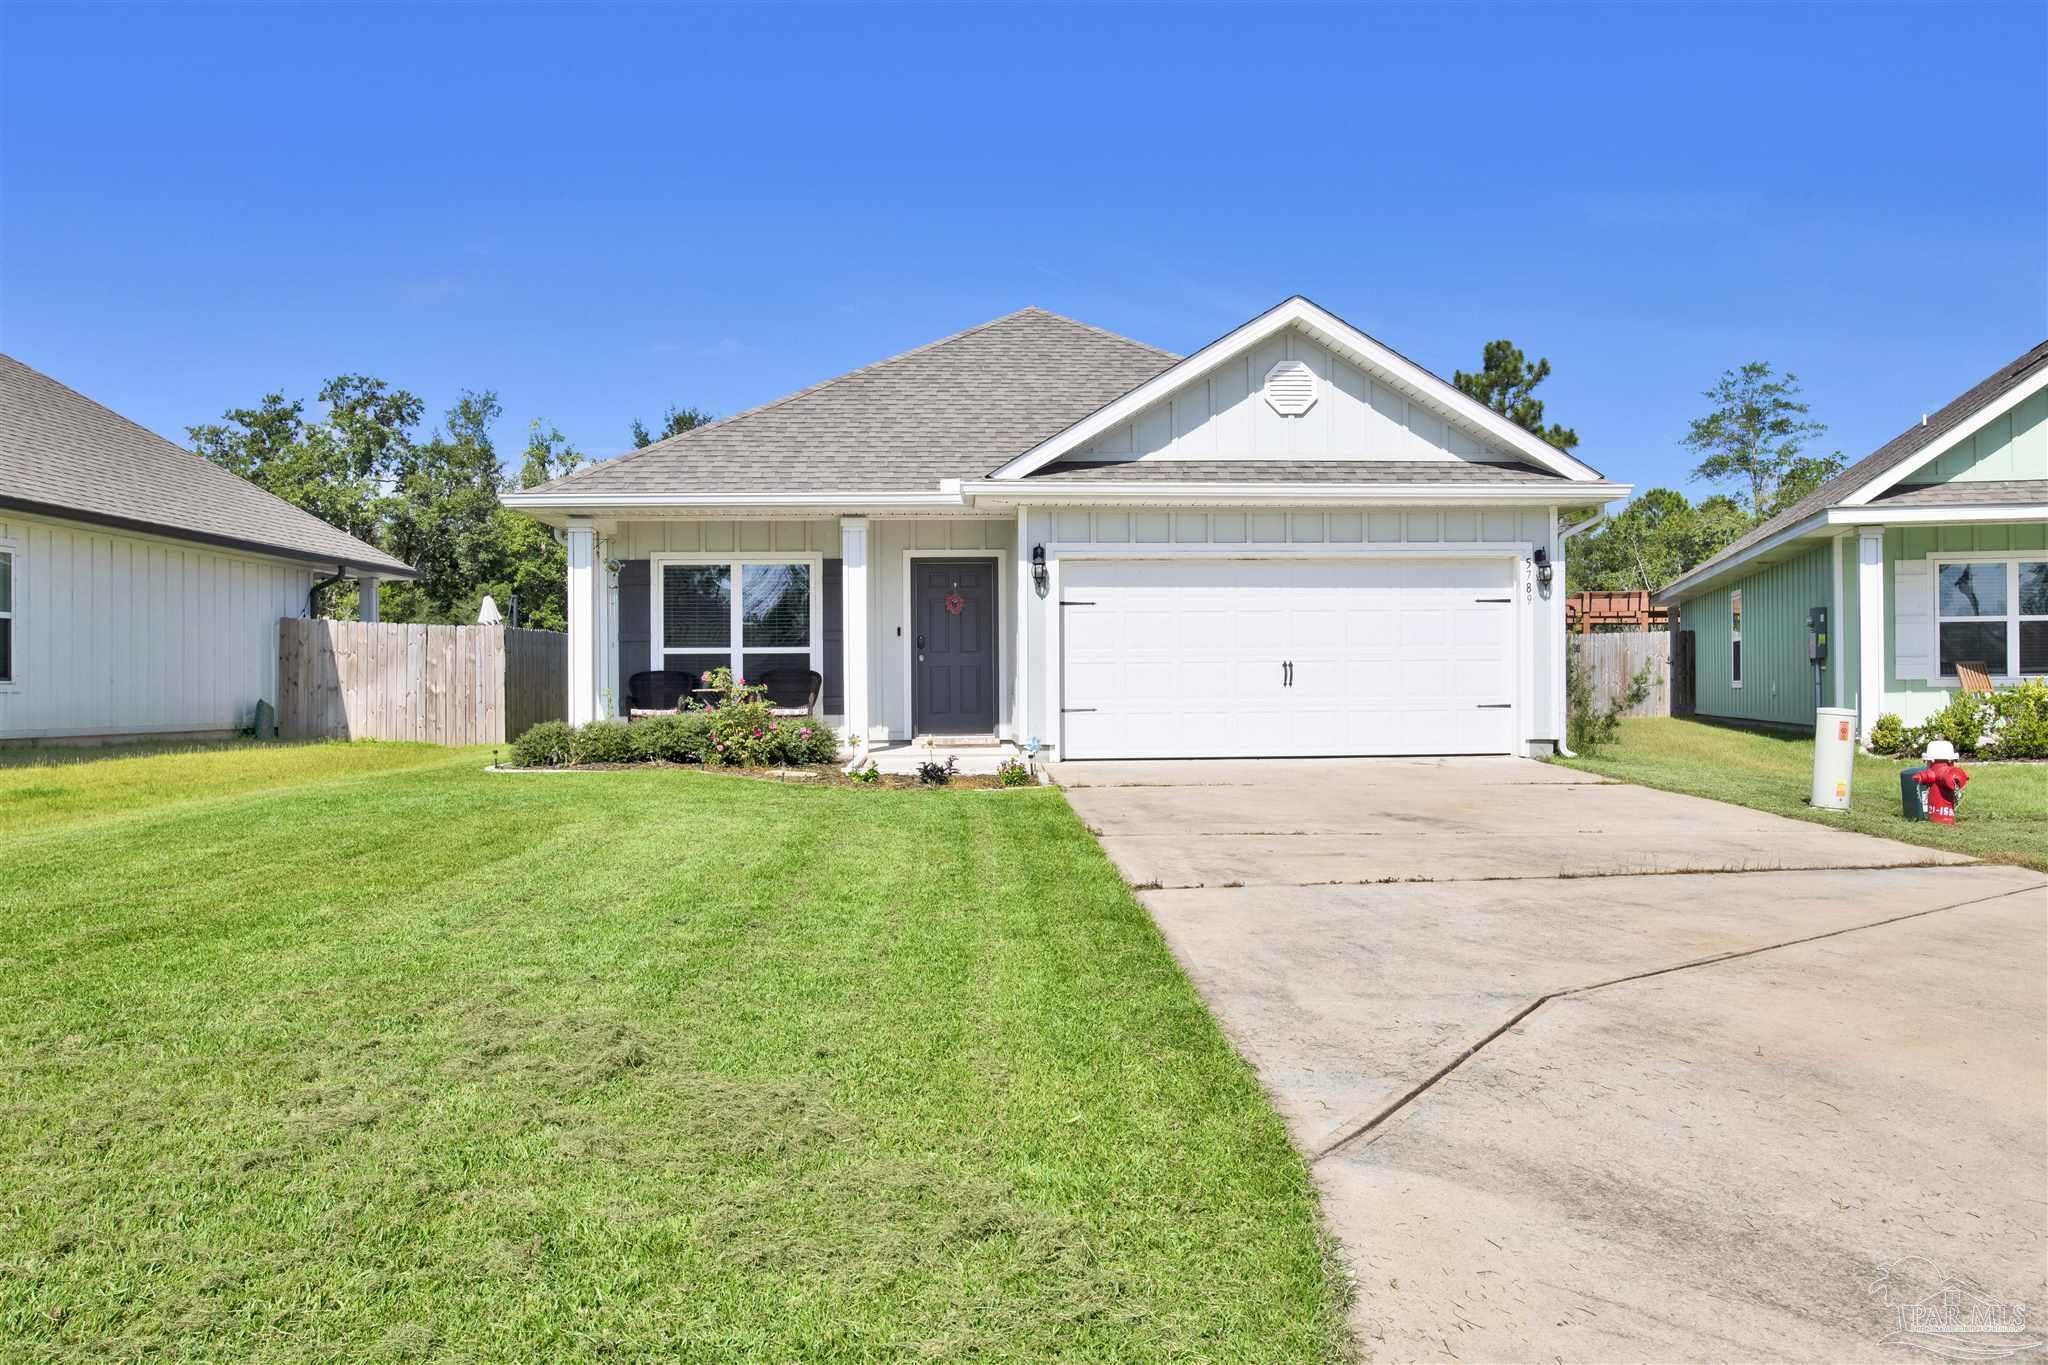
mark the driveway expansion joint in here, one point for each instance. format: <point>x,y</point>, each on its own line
<point>1375,1121</point>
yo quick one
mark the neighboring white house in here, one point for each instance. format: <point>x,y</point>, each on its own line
<point>1293,542</point>
<point>141,585</point>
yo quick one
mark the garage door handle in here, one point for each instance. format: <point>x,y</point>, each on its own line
<point>1495,705</point>
<point>1493,599</point>
<point>1065,603</point>
<point>1069,710</point>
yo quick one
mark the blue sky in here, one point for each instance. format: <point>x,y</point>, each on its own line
<point>599,211</point>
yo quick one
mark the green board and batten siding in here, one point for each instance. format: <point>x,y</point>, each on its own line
<point>1777,681</point>
<point>2013,445</point>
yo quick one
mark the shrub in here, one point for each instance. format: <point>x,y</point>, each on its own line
<point>744,734</point>
<point>2019,722</point>
<point>546,745</point>
<point>1962,722</point>
<point>1888,735</point>
<point>683,738</point>
<point>869,775</point>
<point>933,773</point>
<point>604,741</point>
<point>1013,772</point>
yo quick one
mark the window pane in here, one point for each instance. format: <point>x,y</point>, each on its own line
<point>775,600</point>
<point>696,604</point>
<point>2034,646</point>
<point>1735,612</point>
<point>6,650</point>
<point>1973,589</point>
<point>700,664</point>
<point>1972,642</point>
<point>2034,588</point>
<point>786,676</point>
<point>1735,661</point>
<point>7,582</point>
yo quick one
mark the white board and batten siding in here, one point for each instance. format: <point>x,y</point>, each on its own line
<point>120,633</point>
<point>1224,415</point>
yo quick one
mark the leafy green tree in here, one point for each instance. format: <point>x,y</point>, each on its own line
<point>1756,436</point>
<point>441,514</point>
<point>548,455</point>
<point>1506,382</point>
<point>678,421</point>
<point>1802,476</point>
<point>1653,540</point>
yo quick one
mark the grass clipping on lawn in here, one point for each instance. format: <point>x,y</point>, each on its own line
<point>417,1061</point>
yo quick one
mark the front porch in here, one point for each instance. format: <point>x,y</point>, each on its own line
<point>912,622</point>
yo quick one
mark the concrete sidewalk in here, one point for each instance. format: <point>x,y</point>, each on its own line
<point>1592,1072</point>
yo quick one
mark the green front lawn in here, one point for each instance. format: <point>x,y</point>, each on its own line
<point>2004,814</point>
<point>360,1051</point>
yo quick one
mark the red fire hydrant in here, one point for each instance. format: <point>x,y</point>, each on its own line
<point>1943,780</point>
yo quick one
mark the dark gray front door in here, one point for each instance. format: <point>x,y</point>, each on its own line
<point>953,675</point>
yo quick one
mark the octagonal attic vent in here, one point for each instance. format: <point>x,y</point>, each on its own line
<point>1291,388</point>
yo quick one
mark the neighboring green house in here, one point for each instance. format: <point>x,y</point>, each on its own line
<point>1929,552</point>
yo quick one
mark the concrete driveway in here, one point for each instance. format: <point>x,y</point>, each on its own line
<point>1593,1072</point>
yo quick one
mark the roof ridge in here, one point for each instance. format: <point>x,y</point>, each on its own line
<point>1101,331</point>
<point>670,442</point>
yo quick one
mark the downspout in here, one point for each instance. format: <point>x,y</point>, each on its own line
<point>313,593</point>
<point>1564,641</point>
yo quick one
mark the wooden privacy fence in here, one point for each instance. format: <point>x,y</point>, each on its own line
<point>1613,657</point>
<point>439,684</point>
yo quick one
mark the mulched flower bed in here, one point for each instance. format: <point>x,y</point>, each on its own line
<point>818,775</point>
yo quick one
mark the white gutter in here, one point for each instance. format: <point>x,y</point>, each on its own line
<point>1564,639</point>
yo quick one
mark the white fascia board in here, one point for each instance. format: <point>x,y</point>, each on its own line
<point>1334,332</point>
<point>1950,439</point>
<point>1573,493</point>
<point>770,504</point>
<point>1925,516</point>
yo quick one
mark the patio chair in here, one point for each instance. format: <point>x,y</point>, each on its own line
<point>658,693</point>
<point>1975,676</point>
<point>792,691</point>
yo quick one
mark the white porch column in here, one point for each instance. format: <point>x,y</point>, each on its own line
<point>585,575</point>
<point>366,597</point>
<point>1020,666</point>
<point>1872,618</point>
<point>853,625</point>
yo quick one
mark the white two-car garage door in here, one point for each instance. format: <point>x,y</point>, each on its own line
<point>1200,658</point>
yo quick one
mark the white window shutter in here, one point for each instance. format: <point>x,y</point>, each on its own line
<point>1913,620</point>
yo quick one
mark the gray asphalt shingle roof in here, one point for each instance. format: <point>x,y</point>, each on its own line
<point>954,409</point>
<point>63,454</point>
<point>1989,493</point>
<point>1292,471</point>
<point>1884,459</point>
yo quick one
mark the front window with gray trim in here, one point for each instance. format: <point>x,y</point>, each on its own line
<point>751,616</point>
<point>1992,614</point>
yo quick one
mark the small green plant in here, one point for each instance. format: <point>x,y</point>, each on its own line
<point>1014,772</point>
<point>681,738</point>
<point>1587,723</point>
<point>2019,721</point>
<point>933,773</point>
<point>546,745</point>
<point>604,741</point>
<point>869,775</point>
<point>1888,734</point>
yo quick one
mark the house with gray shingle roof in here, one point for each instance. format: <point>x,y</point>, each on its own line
<point>140,584</point>
<point>1927,556</point>
<point>1038,533</point>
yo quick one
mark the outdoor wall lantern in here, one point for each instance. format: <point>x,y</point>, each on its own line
<point>1543,569</point>
<point>1038,574</point>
